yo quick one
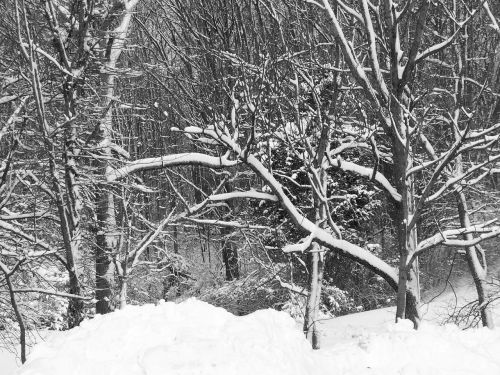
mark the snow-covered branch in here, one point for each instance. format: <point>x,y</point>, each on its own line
<point>167,161</point>
<point>459,178</point>
<point>366,172</point>
<point>300,247</point>
<point>292,287</point>
<point>32,215</point>
<point>51,293</point>
<point>450,237</point>
<point>494,22</point>
<point>250,194</point>
<point>226,224</point>
<point>440,46</point>
<point>146,241</point>
<point>5,128</point>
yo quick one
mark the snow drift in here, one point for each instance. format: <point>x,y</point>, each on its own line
<point>194,337</point>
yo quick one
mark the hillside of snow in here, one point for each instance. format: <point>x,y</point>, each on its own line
<point>194,337</point>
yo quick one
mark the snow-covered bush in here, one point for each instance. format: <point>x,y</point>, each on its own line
<point>246,295</point>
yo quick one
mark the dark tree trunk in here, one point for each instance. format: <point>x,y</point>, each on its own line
<point>229,247</point>
<point>230,256</point>
<point>105,247</point>
<point>408,294</point>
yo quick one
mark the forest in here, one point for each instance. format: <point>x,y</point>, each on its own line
<point>319,157</point>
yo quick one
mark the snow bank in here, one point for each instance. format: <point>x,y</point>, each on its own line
<point>192,337</point>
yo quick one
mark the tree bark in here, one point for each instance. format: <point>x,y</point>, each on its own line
<point>106,242</point>
<point>230,256</point>
<point>123,292</point>
<point>408,294</point>
<point>229,247</point>
<point>310,327</point>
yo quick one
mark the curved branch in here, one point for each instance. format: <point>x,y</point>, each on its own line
<point>174,160</point>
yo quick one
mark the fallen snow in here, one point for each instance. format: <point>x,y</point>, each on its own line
<point>8,362</point>
<point>194,337</point>
<point>392,349</point>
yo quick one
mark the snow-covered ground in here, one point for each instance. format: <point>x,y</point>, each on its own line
<point>8,362</point>
<point>196,338</point>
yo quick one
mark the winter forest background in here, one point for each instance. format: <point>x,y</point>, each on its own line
<point>318,157</point>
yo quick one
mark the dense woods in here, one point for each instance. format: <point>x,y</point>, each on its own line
<point>314,156</point>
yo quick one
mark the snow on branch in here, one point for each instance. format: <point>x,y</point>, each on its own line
<point>459,178</point>
<point>366,172</point>
<point>494,22</point>
<point>251,194</point>
<point>226,224</point>
<point>174,160</point>
<point>483,133</point>
<point>445,43</point>
<point>292,287</point>
<point>13,117</point>
<point>300,247</point>
<point>450,237</point>
<point>52,293</point>
<point>32,215</point>
<point>147,240</point>
<point>49,57</point>
<point>380,83</point>
<point>348,52</point>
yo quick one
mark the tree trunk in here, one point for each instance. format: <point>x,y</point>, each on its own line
<point>316,265</point>
<point>175,237</point>
<point>229,248</point>
<point>408,294</point>
<point>105,247</point>
<point>107,239</point>
<point>495,85</point>
<point>230,256</point>
<point>123,292</point>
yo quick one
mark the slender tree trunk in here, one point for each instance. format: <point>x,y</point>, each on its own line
<point>19,317</point>
<point>316,259</point>
<point>230,256</point>
<point>478,270</point>
<point>495,85</point>
<point>310,328</point>
<point>229,247</point>
<point>176,240</point>
<point>123,292</point>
